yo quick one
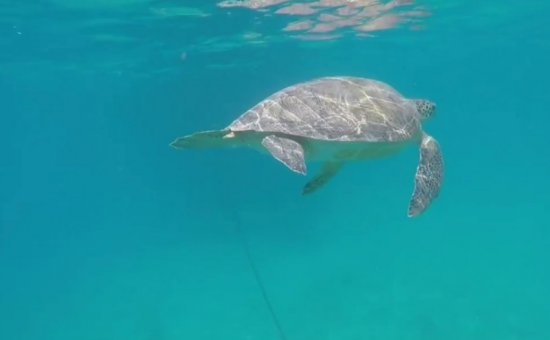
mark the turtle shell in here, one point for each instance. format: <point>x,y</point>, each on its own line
<point>335,109</point>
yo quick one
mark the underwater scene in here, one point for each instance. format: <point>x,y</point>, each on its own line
<point>274,170</point>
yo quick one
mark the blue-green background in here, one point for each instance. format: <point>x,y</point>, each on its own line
<point>107,233</point>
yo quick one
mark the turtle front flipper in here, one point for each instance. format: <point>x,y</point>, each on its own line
<point>287,151</point>
<point>328,170</point>
<point>429,176</point>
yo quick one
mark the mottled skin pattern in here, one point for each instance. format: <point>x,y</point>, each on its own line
<point>335,120</point>
<point>335,109</point>
<point>287,151</point>
<point>429,176</point>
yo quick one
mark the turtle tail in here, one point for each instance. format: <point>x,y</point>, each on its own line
<point>205,139</point>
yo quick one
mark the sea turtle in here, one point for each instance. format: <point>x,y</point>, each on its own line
<point>335,120</point>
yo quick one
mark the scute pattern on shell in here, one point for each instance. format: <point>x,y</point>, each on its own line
<point>335,108</point>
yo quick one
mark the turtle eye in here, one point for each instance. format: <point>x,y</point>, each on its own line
<point>430,109</point>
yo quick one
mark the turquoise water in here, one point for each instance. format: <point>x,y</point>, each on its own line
<point>108,233</point>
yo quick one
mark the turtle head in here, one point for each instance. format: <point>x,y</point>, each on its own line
<point>425,108</point>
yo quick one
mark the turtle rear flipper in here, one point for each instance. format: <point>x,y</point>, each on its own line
<point>429,176</point>
<point>205,139</point>
<point>287,151</point>
<point>328,170</point>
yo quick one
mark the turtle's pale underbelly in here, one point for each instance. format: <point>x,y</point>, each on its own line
<point>349,151</point>
<point>318,150</point>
